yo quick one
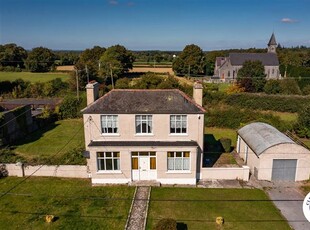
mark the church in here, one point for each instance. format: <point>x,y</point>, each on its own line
<point>226,68</point>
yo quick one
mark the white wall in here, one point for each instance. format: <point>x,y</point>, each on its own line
<point>225,173</point>
<point>70,171</point>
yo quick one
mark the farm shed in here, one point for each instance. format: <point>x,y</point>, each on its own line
<point>271,155</point>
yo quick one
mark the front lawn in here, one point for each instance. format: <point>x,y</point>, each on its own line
<point>74,202</point>
<point>52,139</point>
<point>198,208</point>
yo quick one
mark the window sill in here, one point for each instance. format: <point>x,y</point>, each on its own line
<point>144,134</point>
<point>178,172</point>
<point>110,134</point>
<point>109,172</point>
<point>178,134</point>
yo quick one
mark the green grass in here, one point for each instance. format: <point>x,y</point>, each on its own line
<point>50,140</point>
<point>222,132</point>
<point>199,207</point>
<point>32,77</point>
<point>75,203</point>
<point>284,116</point>
<point>223,86</point>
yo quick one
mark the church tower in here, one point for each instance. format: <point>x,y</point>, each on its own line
<point>272,44</point>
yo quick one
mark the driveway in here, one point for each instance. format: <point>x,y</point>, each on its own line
<point>288,199</point>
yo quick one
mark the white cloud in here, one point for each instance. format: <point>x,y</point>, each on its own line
<point>113,2</point>
<point>288,20</point>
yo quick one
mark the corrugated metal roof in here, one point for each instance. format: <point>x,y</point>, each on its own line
<point>144,143</point>
<point>166,101</point>
<point>267,59</point>
<point>261,136</point>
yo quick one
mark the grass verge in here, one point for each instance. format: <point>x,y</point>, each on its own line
<point>198,208</point>
<point>33,77</point>
<point>74,202</point>
<point>44,143</point>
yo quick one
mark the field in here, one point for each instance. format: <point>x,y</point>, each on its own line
<point>152,69</point>
<point>74,203</point>
<point>32,77</point>
<point>50,140</point>
<point>198,208</point>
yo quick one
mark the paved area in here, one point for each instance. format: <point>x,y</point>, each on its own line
<point>138,215</point>
<point>288,199</point>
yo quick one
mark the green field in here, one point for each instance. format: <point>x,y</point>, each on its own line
<point>222,132</point>
<point>198,208</point>
<point>74,203</point>
<point>50,140</point>
<point>32,77</point>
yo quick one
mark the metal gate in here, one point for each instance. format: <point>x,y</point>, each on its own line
<point>284,169</point>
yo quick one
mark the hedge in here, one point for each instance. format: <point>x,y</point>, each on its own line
<point>279,103</point>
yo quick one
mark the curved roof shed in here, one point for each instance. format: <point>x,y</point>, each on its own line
<point>261,136</point>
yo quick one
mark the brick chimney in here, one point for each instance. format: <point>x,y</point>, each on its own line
<point>92,92</point>
<point>197,93</point>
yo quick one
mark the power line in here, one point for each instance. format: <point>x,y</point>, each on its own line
<point>59,151</point>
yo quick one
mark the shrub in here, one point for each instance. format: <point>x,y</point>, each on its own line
<point>3,171</point>
<point>69,108</point>
<point>289,86</point>
<point>226,144</point>
<point>166,224</point>
<point>272,87</point>
<point>306,90</point>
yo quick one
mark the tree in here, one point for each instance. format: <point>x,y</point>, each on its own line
<point>190,61</point>
<point>40,59</point>
<point>89,58</point>
<point>303,122</point>
<point>272,87</point>
<point>289,86</point>
<point>252,76</point>
<point>116,60</point>
<point>12,55</point>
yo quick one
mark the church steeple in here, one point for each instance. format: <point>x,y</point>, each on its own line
<point>272,44</point>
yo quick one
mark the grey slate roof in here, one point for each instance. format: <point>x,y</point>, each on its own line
<point>267,59</point>
<point>166,101</point>
<point>144,143</point>
<point>272,40</point>
<point>261,136</point>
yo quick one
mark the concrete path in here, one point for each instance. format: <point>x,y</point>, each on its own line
<point>288,199</point>
<point>138,214</point>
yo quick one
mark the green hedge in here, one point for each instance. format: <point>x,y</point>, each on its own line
<point>279,103</point>
<point>234,118</point>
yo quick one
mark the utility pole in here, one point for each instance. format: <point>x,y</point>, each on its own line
<point>77,84</point>
<point>111,72</point>
<point>87,73</point>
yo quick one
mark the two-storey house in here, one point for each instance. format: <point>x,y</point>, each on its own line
<point>134,135</point>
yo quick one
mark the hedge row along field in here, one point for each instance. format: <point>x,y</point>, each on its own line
<point>279,103</point>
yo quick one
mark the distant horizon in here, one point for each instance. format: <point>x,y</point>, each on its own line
<point>164,25</point>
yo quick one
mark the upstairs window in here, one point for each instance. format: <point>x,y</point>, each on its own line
<point>109,124</point>
<point>143,123</point>
<point>178,124</point>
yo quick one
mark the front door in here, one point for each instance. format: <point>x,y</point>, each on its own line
<point>144,167</point>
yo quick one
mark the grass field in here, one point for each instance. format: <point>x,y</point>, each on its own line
<point>198,208</point>
<point>74,203</point>
<point>32,77</point>
<point>50,140</point>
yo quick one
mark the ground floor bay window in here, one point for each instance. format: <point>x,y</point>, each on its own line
<point>178,161</point>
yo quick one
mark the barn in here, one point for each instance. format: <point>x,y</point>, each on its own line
<point>271,155</point>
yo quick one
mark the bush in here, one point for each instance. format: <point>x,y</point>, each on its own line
<point>289,87</point>
<point>3,171</point>
<point>226,144</point>
<point>272,87</point>
<point>69,108</point>
<point>306,90</point>
<point>166,224</point>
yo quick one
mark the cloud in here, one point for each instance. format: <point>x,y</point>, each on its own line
<point>113,2</point>
<point>288,20</point>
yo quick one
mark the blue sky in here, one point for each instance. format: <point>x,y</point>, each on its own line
<point>154,24</point>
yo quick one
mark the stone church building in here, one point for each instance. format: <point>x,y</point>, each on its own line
<point>226,68</point>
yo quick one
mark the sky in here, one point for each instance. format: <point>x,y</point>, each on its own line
<point>154,24</point>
